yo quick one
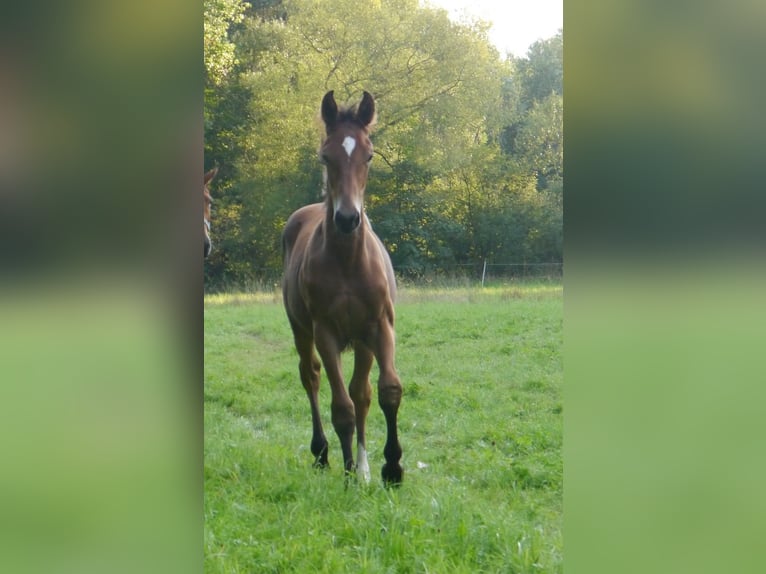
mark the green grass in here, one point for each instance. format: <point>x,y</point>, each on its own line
<point>480,425</point>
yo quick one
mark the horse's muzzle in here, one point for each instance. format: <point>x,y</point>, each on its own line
<point>347,223</point>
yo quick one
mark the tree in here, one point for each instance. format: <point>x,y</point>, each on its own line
<point>461,138</point>
<point>539,142</point>
<point>219,16</point>
<point>541,73</point>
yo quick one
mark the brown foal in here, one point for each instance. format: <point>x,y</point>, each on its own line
<point>339,291</point>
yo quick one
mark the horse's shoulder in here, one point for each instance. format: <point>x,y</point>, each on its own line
<point>303,218</point>
<point>306,214</point>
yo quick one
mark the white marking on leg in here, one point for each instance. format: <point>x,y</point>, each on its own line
<point>362,466</point>
<point>349,144</point>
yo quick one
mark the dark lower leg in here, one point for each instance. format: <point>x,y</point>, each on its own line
<point>343,421</point>
<point>389,397</point>
<point>319,444</point>
<point>309,369</point>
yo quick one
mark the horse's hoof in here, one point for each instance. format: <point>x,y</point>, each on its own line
<point>392,474</point>
<point>320,455</point>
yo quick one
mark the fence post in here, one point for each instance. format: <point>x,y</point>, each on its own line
<point>484,272</point>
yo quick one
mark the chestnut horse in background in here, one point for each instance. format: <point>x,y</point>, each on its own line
<point>208,177</point>
<point>339,291</point>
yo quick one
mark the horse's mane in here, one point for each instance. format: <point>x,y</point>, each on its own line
<point>347,114</point>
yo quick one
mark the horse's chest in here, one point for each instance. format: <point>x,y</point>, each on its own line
<point>351,312</point>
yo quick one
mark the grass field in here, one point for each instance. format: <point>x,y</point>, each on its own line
<point>480,424</point>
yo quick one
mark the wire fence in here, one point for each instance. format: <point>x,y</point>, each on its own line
<point>483,271</point>
<point>480,272</point>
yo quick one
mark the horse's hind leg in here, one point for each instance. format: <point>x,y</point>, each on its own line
<point>360,392</point>
<point>309,368</point>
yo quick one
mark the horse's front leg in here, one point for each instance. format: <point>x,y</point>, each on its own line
<point>389,397</point>
<point>342,408</point>
<point>361,393</point>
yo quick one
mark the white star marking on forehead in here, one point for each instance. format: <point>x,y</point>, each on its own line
<point>349,144</point>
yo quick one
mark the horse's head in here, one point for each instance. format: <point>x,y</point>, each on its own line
<point>207,203</point>
<point>346,154</point>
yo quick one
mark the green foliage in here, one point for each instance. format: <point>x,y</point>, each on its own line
<point>219,16</point>
<point>481,426</point>
<point>457,139</point>
<point>539,144</point>
<point>542,71</point>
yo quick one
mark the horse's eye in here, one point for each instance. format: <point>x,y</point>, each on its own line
<point>369,158</point>
<point>323,159</point>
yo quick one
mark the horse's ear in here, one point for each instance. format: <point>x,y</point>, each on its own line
<point>329,110</point>
<point>210,175</point>
<point>366,111</point>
